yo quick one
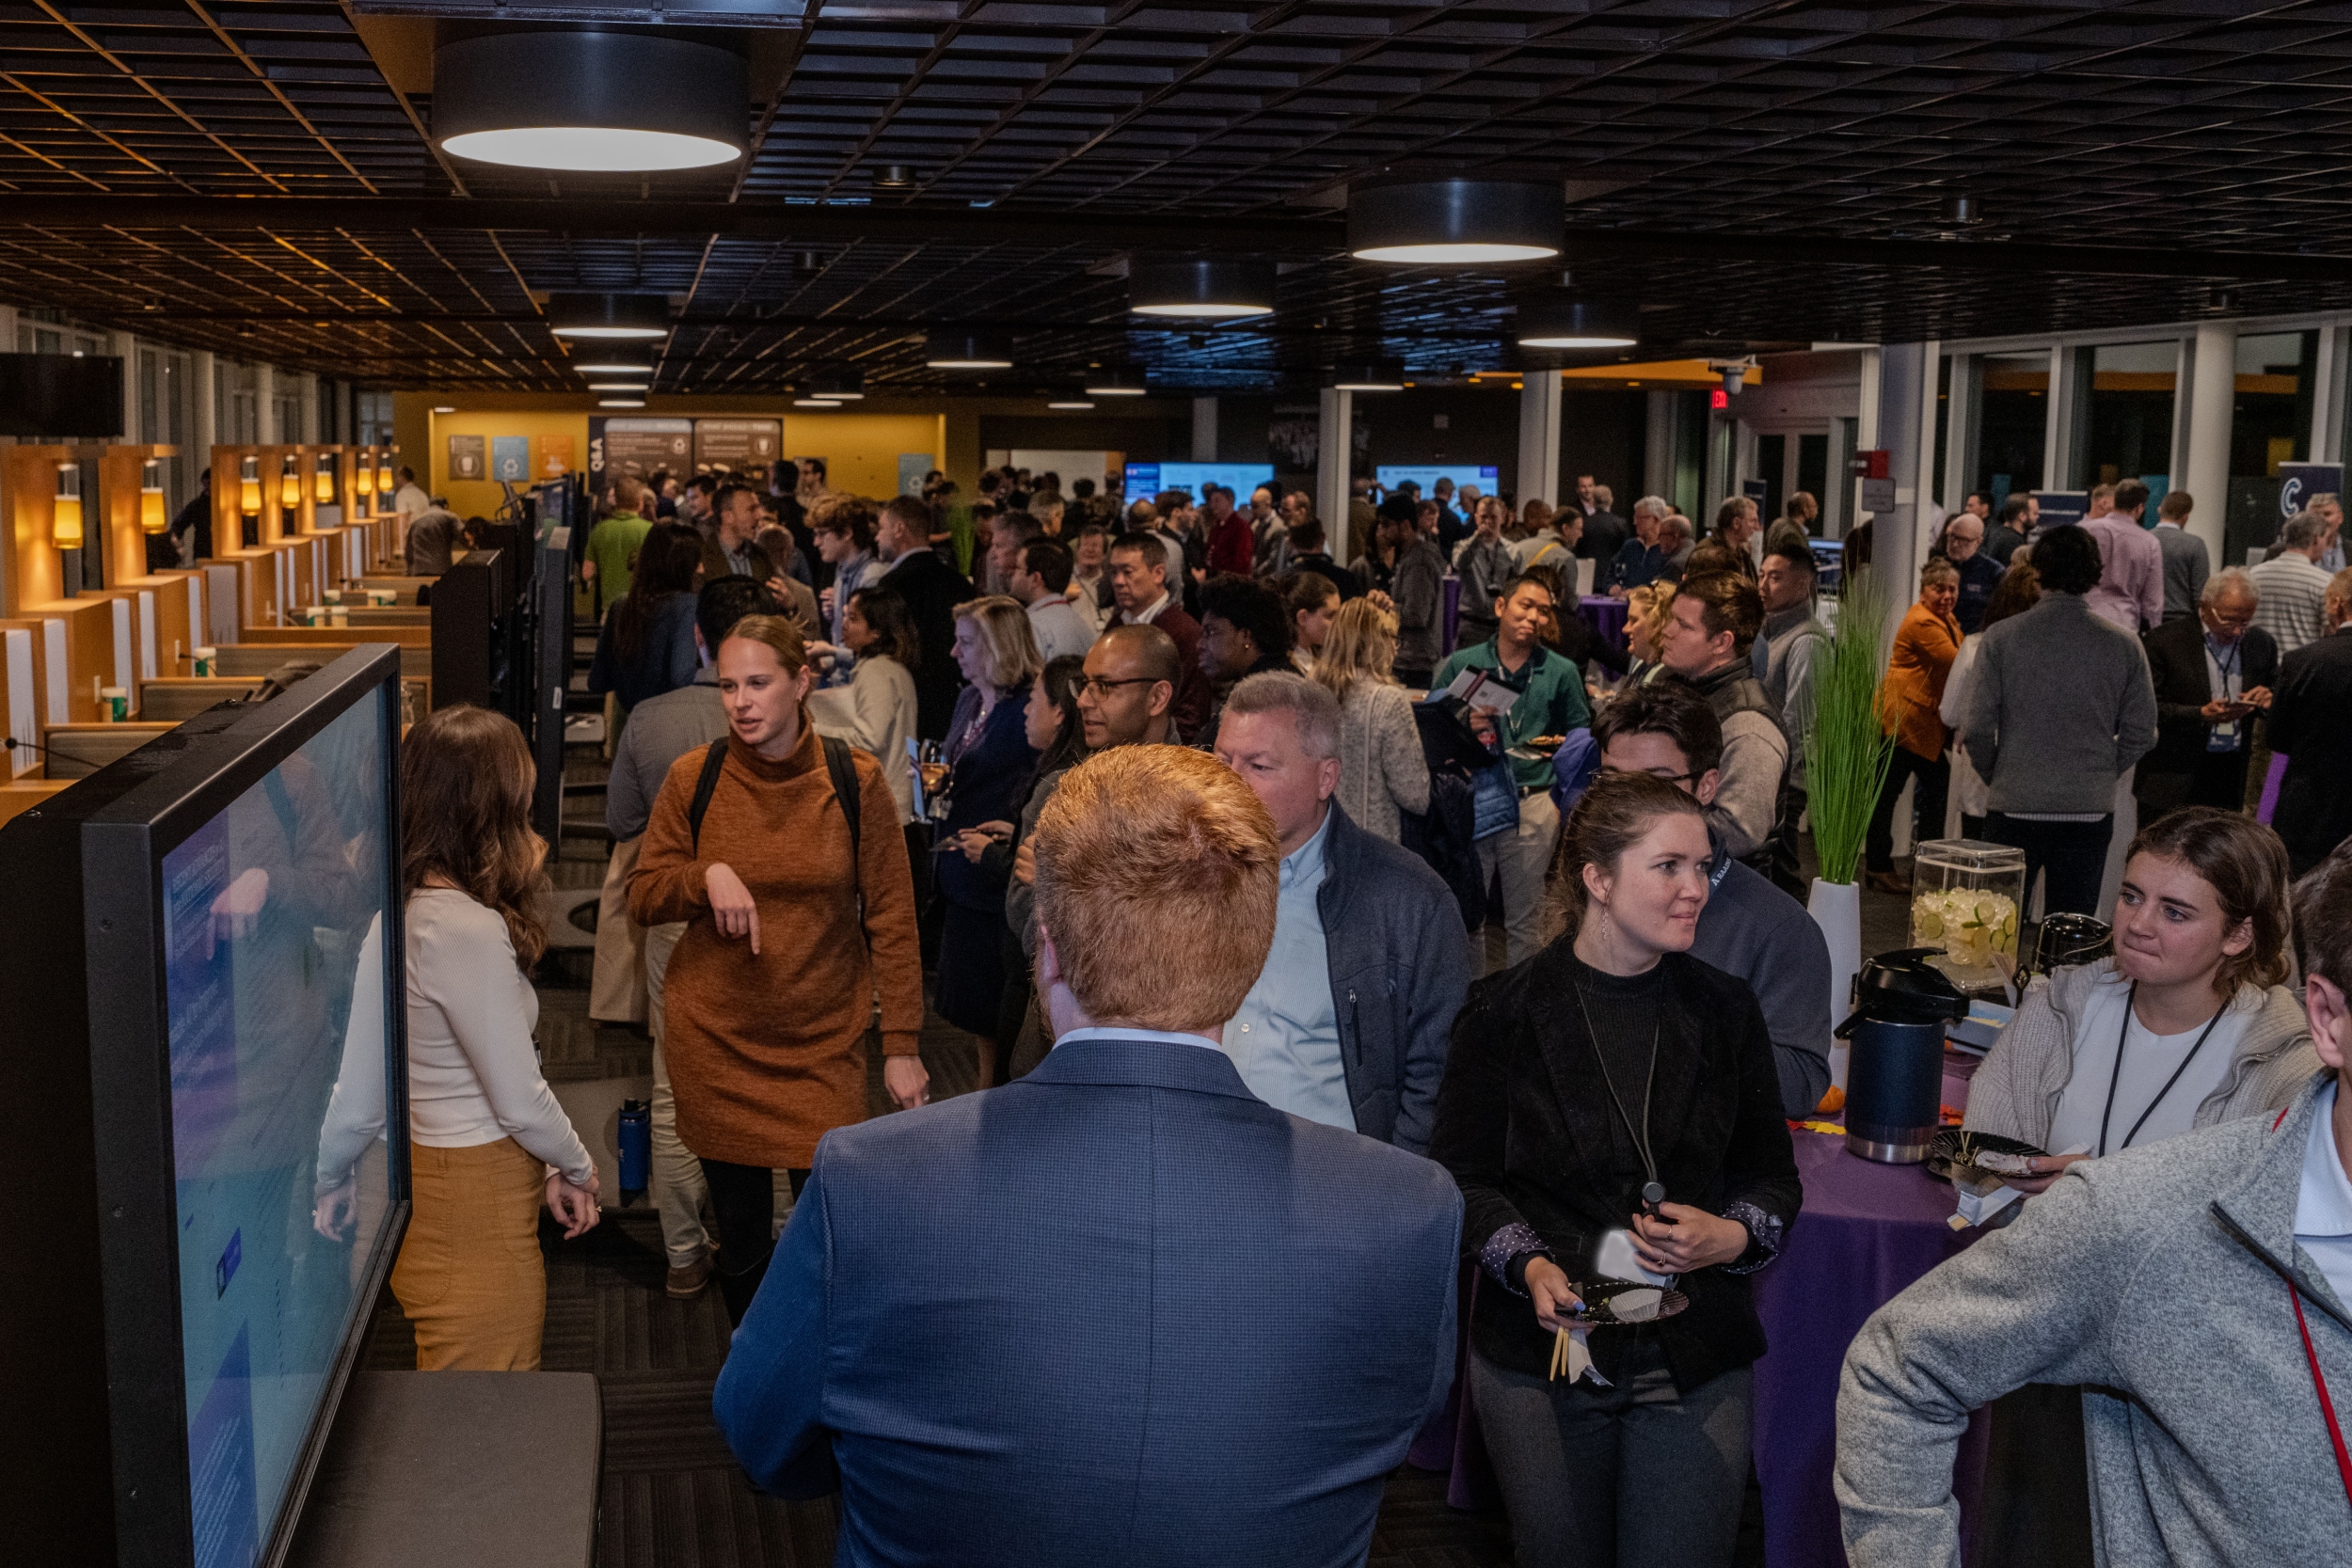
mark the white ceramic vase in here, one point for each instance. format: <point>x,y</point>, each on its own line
<point>1837,909</point>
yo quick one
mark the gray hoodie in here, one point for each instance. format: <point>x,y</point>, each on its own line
<point>2016,1091</point>
<point>2166,1279</point>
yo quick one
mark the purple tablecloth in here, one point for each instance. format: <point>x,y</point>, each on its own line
<point>1606,616</point>
<point>1866,1233</point>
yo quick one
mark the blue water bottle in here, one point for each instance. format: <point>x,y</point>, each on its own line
<point>636,1144</point>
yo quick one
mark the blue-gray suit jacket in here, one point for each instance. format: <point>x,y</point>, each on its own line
<point>1116,1312</point>
<point>1400,966</point>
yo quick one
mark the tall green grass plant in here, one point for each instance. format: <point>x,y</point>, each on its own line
<point>1846,751</point>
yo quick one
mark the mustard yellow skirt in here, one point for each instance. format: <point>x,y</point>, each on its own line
<point>470,1276</point>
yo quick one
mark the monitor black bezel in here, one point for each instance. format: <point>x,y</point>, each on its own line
<point>122,849</point>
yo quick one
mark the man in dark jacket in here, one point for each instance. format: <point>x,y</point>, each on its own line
<point>195,518</point>
<point>2307,728</point>
<point>1120,1311</point>
<point>1348,1021</point>
<point>1143,588</point>
<point>2213,671</point>
<point>932,589</point>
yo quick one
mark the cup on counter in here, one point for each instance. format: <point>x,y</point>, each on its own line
<point>204,659</point>
<point>337,615</point>
<point>334,595</point>
<point>383,597</point>
<point>116,701</point>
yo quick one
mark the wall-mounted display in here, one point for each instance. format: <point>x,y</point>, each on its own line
<point>638,447</point>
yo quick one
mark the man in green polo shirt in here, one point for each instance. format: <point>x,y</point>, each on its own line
<point>613,545</point>
<point>1551,702</point>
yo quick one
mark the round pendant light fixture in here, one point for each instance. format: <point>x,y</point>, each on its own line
<point>1116,381</point>
<point>1380,375</point>
<point>1573,321</point>
<point>618,385</point>
<point>1208,288</point>
<point>638,318</point>
<point>1455,222</point>
<point>620,403</point>
<point>967,351</point>
<point>839,386</point>
<point>603,361</point>
<point>1070,402</point>
<point>816,402</point>
<point>586,101</point>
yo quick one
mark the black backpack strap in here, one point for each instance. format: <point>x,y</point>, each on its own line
<point>843,770</point>
<point>714,759</point>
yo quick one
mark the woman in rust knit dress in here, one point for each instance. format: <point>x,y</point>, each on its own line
<point>773,985</point>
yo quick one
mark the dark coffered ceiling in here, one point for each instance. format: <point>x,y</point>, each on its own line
<point>256,178</point>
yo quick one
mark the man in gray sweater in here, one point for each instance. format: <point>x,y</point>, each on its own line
<point>2063,706</point>
<point>2197,1287</point>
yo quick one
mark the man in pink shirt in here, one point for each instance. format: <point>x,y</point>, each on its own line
<point>2131,578</point>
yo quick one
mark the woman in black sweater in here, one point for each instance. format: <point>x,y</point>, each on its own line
<point>1615,1085</point>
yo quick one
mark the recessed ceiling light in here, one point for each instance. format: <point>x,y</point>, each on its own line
<point>638,317</point>
<point>1116,382</point>
<point>446,408</point>
<point>1373,377</point>
<point>583,101</point>
<point>1455,222</point>
<point>1201,289</point>
<point>1567,322</point>
<point>1070,402</point>
<point>620,403</point>
<point>967,351</point>
<point>816,402</point>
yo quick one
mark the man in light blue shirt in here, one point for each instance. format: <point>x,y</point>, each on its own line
<point>844,541</point>
<point>1349,1019</point>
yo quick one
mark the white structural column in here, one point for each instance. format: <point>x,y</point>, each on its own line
<point>204,418</point>
<point>127,348</point>
<point>1906,422</point>
<point>1866,431</point>
<point>1960,412</point>
<point>2212,404</point>
<point>265,429</point>
<point>309,396</point>
<point>1336,420</point>
<point>1540,436</point>
<point>1204,430</point>
<point>2327,397</point>
<point>2057,458</point>
<point>1658,448</point>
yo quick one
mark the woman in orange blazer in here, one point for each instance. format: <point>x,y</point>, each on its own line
<point>1925,645</point>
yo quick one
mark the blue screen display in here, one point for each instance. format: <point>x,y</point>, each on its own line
<point>275,966</point>
<point>1390,476</point>
<point>1146,480</point>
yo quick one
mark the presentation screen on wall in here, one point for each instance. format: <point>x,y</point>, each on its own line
<point>1146,480</point>
<point>275,973</point>
<point>1390,475</point>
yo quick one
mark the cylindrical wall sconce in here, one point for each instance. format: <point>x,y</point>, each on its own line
<point>289,485</point>
<point>250,488</point>
<point>152,518</point>
<point>64,517</point>
<point>323,491</point>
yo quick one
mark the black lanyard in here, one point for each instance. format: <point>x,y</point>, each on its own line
<point>2237,655</point>
<point>2117,1076</point>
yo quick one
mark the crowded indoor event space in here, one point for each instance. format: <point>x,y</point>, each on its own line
<point>922,783</point>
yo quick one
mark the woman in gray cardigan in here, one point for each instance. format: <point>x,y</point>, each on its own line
<point>2185,1027</point>
<point>1383,772</point>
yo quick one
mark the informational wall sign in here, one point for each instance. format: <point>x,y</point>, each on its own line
<point>737,445</point>
<point>469,457</point>
<point>2299,482</point>
<point>510,459</point>
<point>556,456</point>
<point>638,447</point>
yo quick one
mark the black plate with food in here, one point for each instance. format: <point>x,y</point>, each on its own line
<point>1614,1304</point>
<point>1958,1154</point>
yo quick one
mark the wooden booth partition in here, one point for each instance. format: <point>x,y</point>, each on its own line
<point>241,511</point>
<point>84,643</point>
<point>168,617</point>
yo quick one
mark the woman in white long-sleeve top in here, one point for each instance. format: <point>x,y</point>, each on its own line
<point>875,712</point>
<point>488,1141</point>
<point>1383,770</point>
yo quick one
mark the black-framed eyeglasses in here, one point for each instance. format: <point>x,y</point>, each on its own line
<point>1102,686</point>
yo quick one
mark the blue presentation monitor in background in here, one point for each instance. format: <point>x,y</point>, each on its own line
<point>1390,476</point>
<point>1146,480</point>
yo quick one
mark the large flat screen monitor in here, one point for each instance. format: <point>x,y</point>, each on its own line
<point>1146,480</point>
<point>1390,475</point>
<point>224,960</point>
